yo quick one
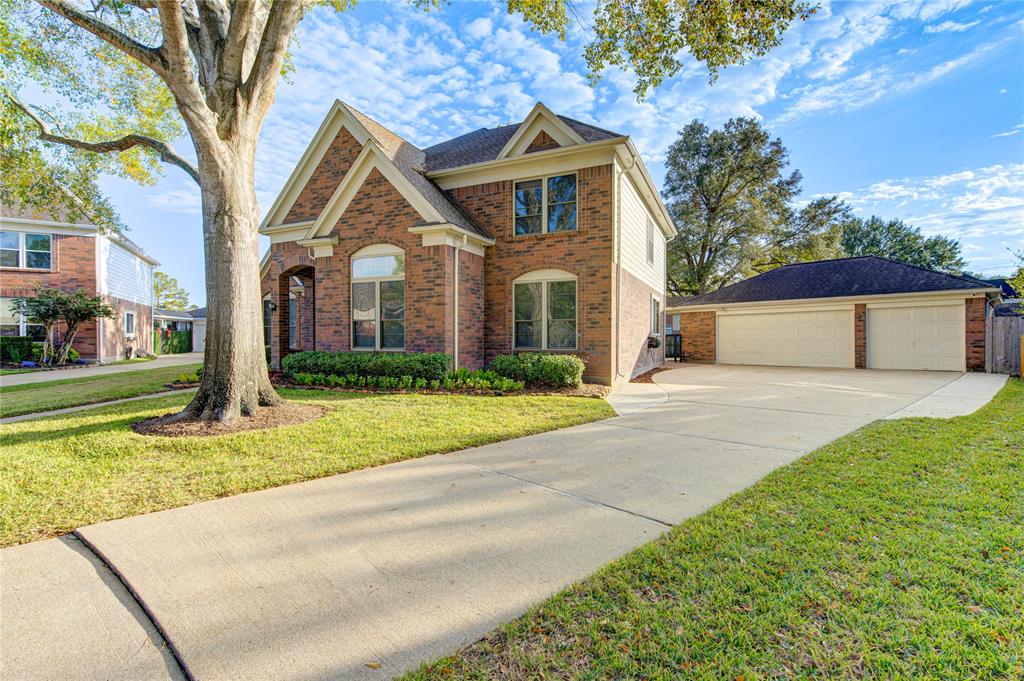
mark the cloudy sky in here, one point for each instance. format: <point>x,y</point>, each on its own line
<point>911,110</point>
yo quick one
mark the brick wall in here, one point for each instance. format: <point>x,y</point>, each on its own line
<point>586,252</point>
<point>698,335</point>
<point>635,328</point>
<point>73,266</point>
<point>115,343</point>
<point>542,142</point>
<point>471,310</point>
<point>975,333</point>
<point>860,336</point>
<point>325,178</point>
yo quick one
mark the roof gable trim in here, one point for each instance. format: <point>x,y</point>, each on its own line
<point>540,119</point>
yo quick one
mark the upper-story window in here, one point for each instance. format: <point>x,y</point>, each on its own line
<point>25,250</point>
<point>544,306</point>
<point>650,241</point>
<point>546,204</point>
<point>378,298</point>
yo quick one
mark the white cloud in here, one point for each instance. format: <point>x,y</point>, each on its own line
<point>950,27</point>
<point>186,201</point>
<point>1012,131</point>
<point>479,28</point>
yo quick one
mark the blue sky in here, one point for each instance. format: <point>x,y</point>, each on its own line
<point>911,110</point>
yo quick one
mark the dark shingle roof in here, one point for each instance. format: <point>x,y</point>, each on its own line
<point>486,143</point>
<point>198,313</point>
<point>863,276</point>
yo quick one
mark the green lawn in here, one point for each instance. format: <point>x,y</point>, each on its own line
<point>60,473</point>
<point>895,552</point>
<point>133,360</point>
<point>71,392</point>
<point>10,372</point>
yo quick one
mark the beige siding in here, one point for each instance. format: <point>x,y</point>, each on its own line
<point>634,216</point>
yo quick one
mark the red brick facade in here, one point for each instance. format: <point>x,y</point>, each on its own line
<point>975,334</point>
<point>860,336</point>
<point>115,341</point>
<point>634,304</point>
<point>542,142</point>
<point>698,332</point>
<point>325,178</point>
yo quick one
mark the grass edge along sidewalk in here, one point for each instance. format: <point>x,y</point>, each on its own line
<point>895,552</point>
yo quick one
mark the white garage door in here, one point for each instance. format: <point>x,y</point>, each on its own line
<point>927,337</point>
<point>822,338</point>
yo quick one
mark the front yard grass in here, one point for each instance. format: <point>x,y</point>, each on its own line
<point>895,552</point>
<point>72,392</point>
<point>63,472</point>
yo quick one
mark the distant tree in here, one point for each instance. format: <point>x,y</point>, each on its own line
<point>43,308</point>
<point>168,294</point>
<point>50,306</point>
<point>898,241</point>
<point>1016,280</point>
<point>731,201</point>
<point>76,309</point>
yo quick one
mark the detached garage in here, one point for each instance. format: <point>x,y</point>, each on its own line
<point>866,312</point>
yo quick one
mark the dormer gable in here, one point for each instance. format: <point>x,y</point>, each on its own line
<point>539,131</point>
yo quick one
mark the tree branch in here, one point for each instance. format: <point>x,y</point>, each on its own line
<point>162,149</point>
<point>281,22</point>
<point>144,54</point>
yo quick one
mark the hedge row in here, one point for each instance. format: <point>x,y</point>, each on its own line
<point>430,366</point>
<point>461,380</point>
<point>535,369</point>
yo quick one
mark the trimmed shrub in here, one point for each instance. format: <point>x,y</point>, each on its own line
<point>536,368</point>
<point>462,380</point>
<point>430,366</point>
<point>14,349</point>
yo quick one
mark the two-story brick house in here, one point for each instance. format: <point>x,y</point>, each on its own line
<point>546,235</point>
<point>44,250</point>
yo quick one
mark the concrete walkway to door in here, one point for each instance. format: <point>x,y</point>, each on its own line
<point>367,574</point>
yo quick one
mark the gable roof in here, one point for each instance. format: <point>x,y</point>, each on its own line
<point>486,144</point>
<point>861,276</point>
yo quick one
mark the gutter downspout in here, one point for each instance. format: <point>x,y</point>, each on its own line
<point>618,264</point>
<point>455,315</point>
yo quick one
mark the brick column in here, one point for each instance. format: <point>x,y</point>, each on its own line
<point>860,339</point>
<point>975,333</point>
<point>698,332</point>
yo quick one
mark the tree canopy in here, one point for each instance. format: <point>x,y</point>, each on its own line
<point>732,200</point>
<point>168,294</point>
<point>898,241</point>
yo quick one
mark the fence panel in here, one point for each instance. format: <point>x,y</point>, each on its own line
<point>1005,345</point>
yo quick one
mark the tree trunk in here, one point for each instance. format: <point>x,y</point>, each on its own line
<point>235,380</point>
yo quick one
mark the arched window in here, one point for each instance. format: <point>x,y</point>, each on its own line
<point>544,305</point>
<point>378,298</point>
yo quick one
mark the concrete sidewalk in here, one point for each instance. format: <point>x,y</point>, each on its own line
<point>101,370</point>
<point>367,574</point>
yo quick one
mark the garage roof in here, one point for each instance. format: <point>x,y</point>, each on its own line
<point>867,275</point>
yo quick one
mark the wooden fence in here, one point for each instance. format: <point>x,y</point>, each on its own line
<point>1003,350</point>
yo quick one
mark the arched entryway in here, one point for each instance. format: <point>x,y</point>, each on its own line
<point>296,310</point>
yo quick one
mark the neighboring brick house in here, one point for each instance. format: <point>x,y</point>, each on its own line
<point>41,250</point>
<point>546,235</point>
<point>865,313</point>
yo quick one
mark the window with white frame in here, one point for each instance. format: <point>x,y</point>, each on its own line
<point>378,298</point>
<point>546,204</point>
<point>655,316</point>
<point>650,241</point>
<point>544,309</point>
<point>25,250</point>
<point>129,324</point>
<point>14,323</point>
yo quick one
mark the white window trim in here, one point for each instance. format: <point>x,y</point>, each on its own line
<point>22,322</point>
<point>23,252</point>
<point>544,204</point>
<point>546,277</point>
<point>657,325</point>
<point>374,251</point>
<point>650,241</point>
<point>127,314</point>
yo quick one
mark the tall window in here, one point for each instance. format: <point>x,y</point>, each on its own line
<point>13,323</point>
<point>293,321</point>
<point>378,298</point>
<point>129,324</point>
<point>650,241</point>
<point>544,306</point>
<point>655,316</point>
<point>546,205</point>
<point>268,311</point>
<point>26,251</point>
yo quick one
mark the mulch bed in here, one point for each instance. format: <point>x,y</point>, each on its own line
<point>266,417</point>
<point>648,376</point>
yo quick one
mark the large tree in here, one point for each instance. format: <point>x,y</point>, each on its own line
<point>168,293</point>
<point>895,240</point>
<point>133,72</point>
<point>732,200</point>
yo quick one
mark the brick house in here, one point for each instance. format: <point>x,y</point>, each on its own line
<point>43,250</point>
<point>546,235</point>
<point>865,312</point>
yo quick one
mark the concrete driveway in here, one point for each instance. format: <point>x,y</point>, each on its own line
<point>365,575</point>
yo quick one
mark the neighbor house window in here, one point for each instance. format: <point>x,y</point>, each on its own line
<point>13,323</point>
<point>544,306</point>
<point>546,205</point>
<point>378,298</point>
<point>268,311</point>
<point>129,323</point>
<point>650,241</point>
<point>293,314</point>
<point>26,251</point>
<point>655,316</point>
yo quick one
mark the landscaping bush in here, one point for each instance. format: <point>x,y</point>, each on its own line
<point>14,349</point>
<point>461,380</point>
<point>535,368</point>
<point>430,366</point>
